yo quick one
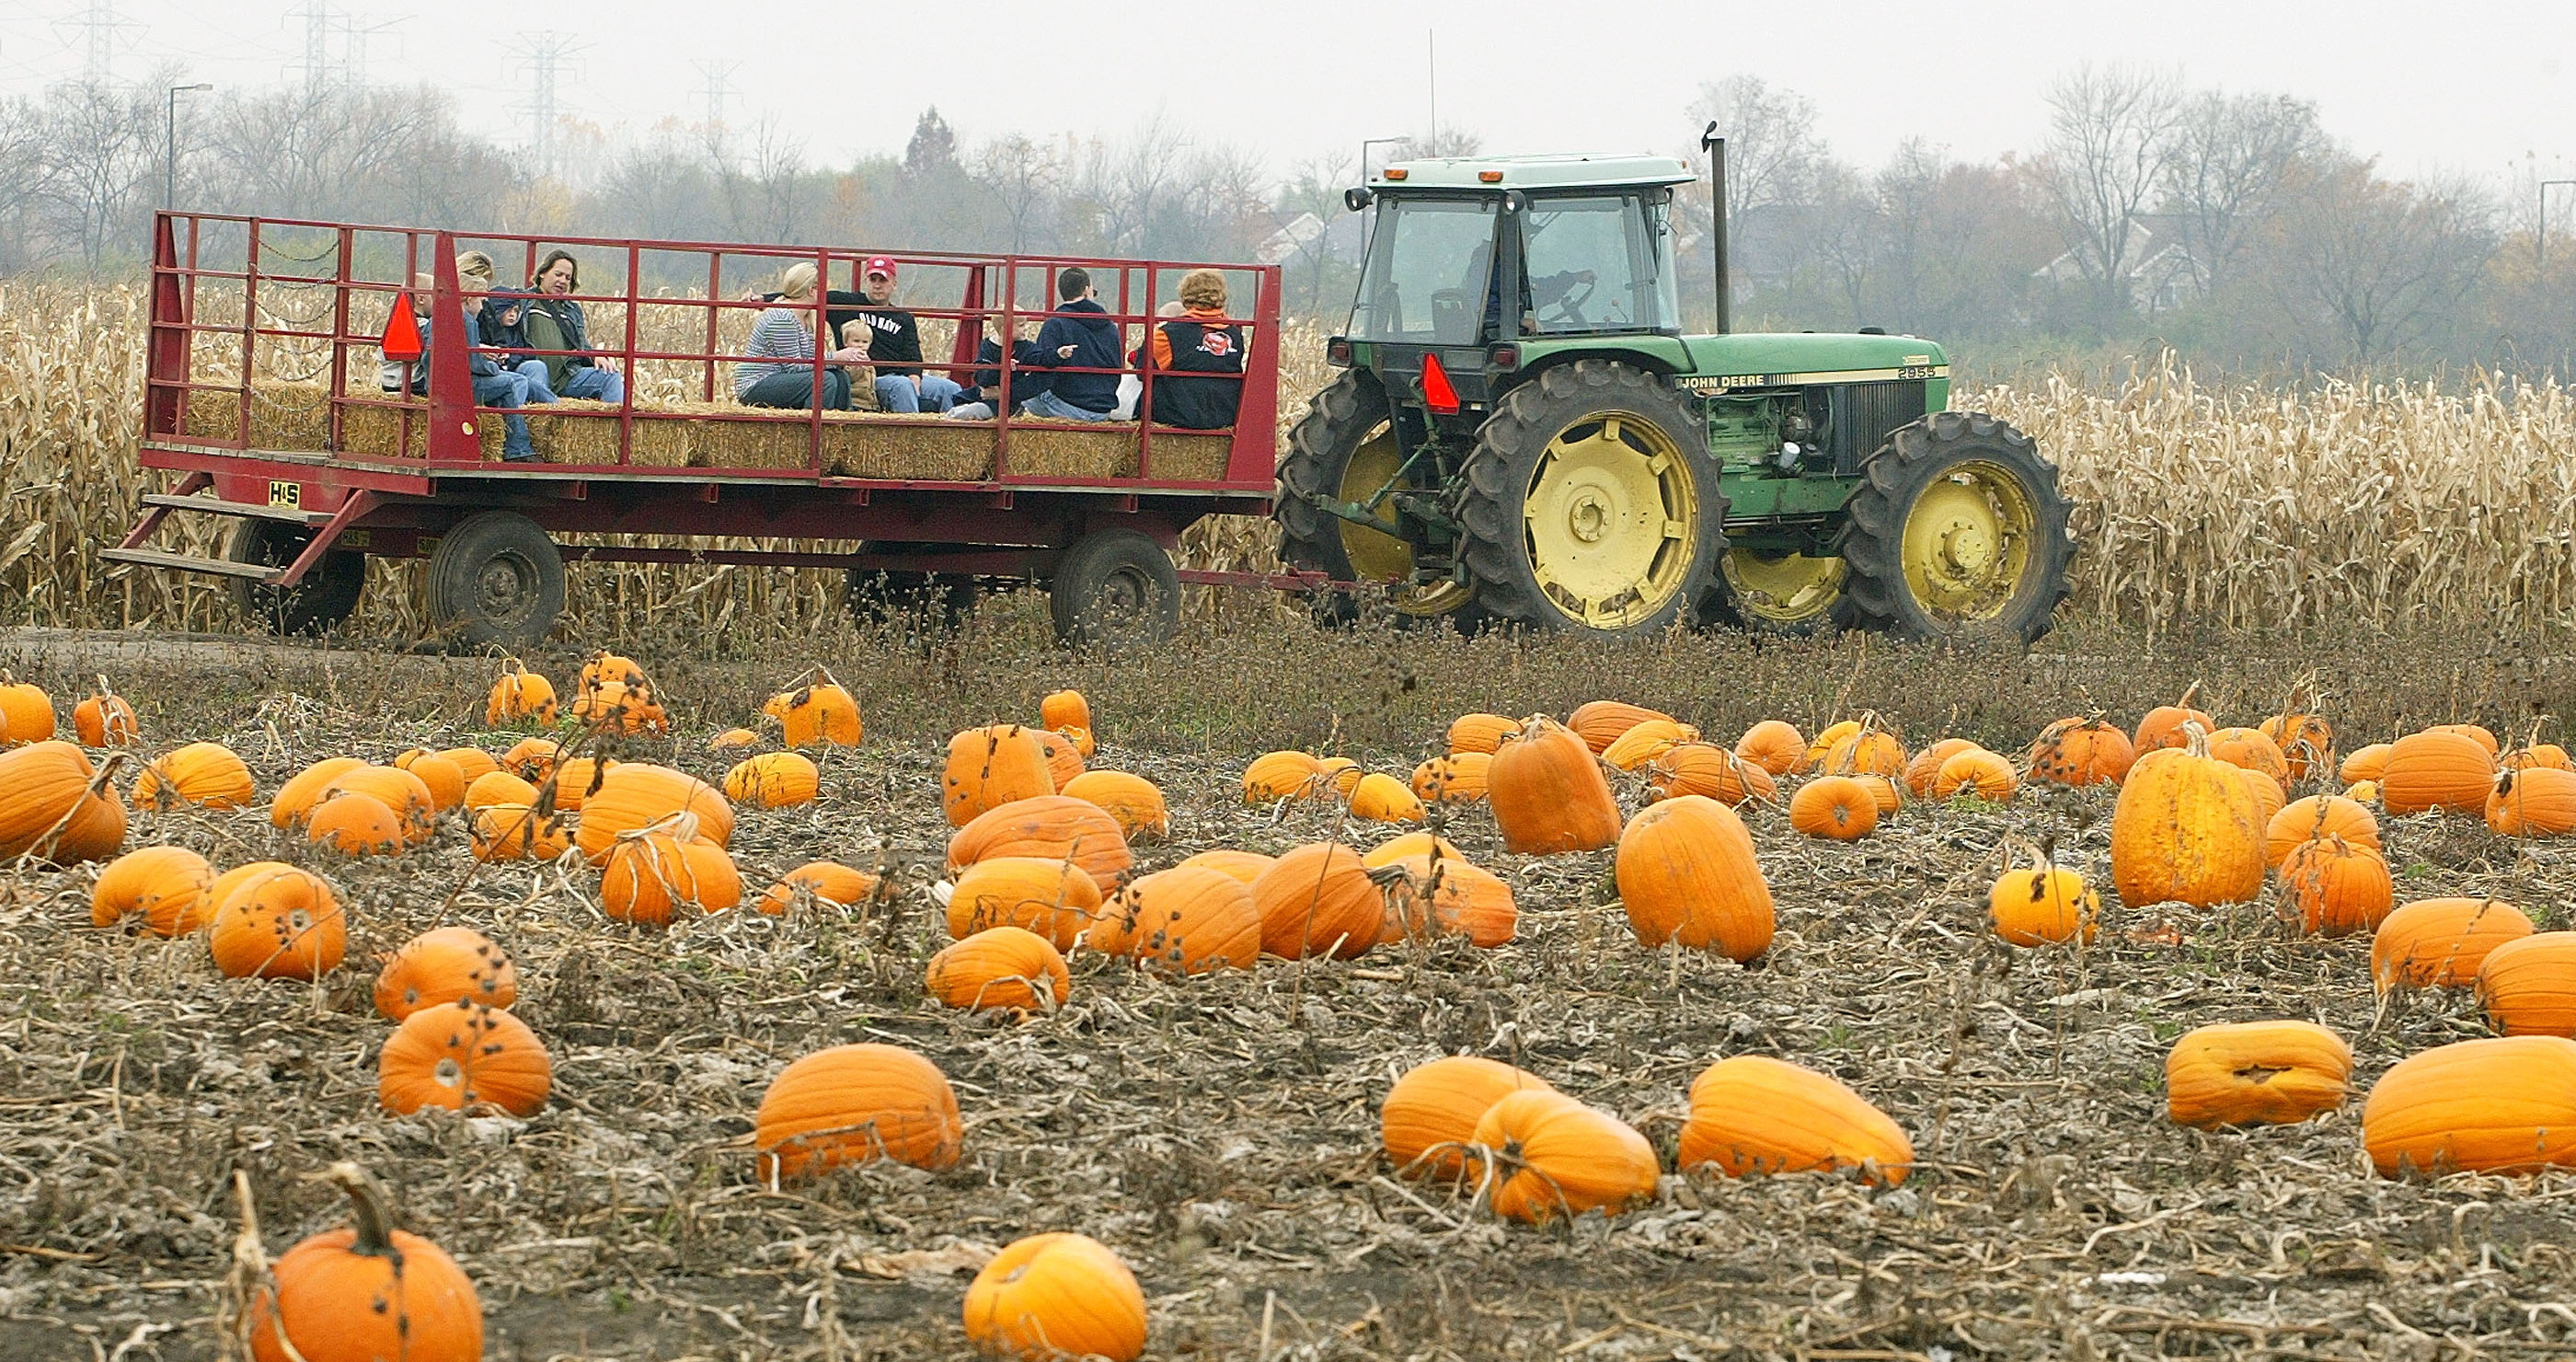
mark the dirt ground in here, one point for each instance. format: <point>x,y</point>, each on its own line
<point>1220,1133</point>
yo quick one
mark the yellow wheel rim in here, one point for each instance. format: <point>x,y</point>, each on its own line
<point>1378,555</point>
<point>1967,542</point>
<point>1613,520</point>
<point>1790,589</point>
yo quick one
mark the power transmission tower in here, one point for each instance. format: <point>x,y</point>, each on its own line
<point>355,32</point>
<point>544,56</point>
<point>316,67</point>
<point>98,23</point>
<point>718,89</point>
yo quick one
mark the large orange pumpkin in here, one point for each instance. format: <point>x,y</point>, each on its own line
<point>1839,808</point>
<point>992,766</point>
<point>1381,798</point>
<point>159,890</point>
<point>1064,709</point>
<point>1700,769</point>
<point>822,713</point>
<point>2337,888</point>
<point>655,873</point>
<point>2164,726</point>
<point>26,712</point>
<point>2249,749</point>
<point>1319,899</point>
<point>1548,793</point>
<point>999,967</point>
<point>493,787</point>
<point>1243,866</point>
<point>1189,919</point>
<point>1686,873</point>
<point>2043,905</point>
<point>2437,769</point>
<point>853,1103</point>
<point>1135,802</point>
<point>2255,1073</point>
<point>820,882</point>
<point>1750,1114</point>
<point>1447,896</point>
<point>1550,1155</point>
<point>1049,827</point>
<point>1053,898</point>
<point>2082,752</point>
<point>354,824</point>
<point>517,832</point>
<point>372,1293</point>
<point>445,965</point>
<point>1987,775</point>
<point>461,1055</point>
<point>636,795</point>
<point>1481,732</point>
<point>2441,943</point>
<point>1600,722</point>
<point>1458,778</point>
<point>774,780</point>
<point>519,696</point>
<point>401,792</point>
<point>1063,757</point>
<point>2306,742</point>
<point>206,774</point>
<point>2528,987</point>
<point>1274,776</point>
<point>445,779</point>
<point>105,720</point>
<point>2365,763</point>
<point>2185,829</point>
<point>2490,1106</point>
<point>1429,1116</point>
<point>278,922</point>
<point>1924,765</point>
<point>2535,801</point>
<point>1056,1295</point>
<point>1871,752</point>
<point>294,799</point>
<point>1639,745</point>
<point>1775,745</point>
<point>2314,816</point>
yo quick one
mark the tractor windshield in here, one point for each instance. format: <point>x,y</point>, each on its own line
<point>1430,263</point>
<point>1599,263</point>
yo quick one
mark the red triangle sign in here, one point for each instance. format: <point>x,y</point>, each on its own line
<point>402,331</point>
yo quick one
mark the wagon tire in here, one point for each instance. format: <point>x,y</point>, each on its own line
<point>1115,590</point>
<point>322,602</point>
<point>496,580</point>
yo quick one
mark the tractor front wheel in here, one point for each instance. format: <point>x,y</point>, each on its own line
<point>1957,532</point>
<point>496,579</point>
<point>1592,504</point>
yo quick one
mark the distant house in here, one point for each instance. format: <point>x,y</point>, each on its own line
<point>1299,236</point>
<point>2162,274</point>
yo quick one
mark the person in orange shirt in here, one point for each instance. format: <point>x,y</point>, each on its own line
<point>1191,354</point>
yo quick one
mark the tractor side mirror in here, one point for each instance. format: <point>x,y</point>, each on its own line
<point>1357,197</point>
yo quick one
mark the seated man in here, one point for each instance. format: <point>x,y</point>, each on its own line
<point>1027,378</point>
<point>554,322</point>
<point>1199,341</point>
<point>1078,335</point>
<point>894,345</point>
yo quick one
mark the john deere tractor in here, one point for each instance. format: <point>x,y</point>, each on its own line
<point>1521,435</point>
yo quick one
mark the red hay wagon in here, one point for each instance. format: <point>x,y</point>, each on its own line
<point>264,394</point>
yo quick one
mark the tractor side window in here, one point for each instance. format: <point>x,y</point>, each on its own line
<point>1595,264</point>
<point>1430,263</point>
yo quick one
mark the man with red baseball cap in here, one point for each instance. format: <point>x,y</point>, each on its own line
<point>894,346</point>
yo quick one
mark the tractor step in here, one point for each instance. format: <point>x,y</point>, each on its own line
<point>247,510</point>
<point>180,562</point>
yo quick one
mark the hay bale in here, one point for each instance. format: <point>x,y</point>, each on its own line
<point>1187,455</point>
<point>1077,453</point>
<point>573,430</point>
<point>283,415</point>
<point>857,445</point>
<point>726,436</point>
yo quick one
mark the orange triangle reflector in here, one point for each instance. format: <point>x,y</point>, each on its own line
<point>402,331</point>
<point>1436,389</point>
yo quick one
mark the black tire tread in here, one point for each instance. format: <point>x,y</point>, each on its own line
<point>1082,568</point>
<point>452,566</point>
<point>1875,596</point>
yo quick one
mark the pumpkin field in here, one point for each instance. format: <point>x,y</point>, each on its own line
<point>1823,999</point>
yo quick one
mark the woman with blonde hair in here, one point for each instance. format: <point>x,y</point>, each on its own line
<point>1198,349</point>
<point>777,367</point>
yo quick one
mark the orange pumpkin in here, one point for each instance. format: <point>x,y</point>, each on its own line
<point>1050,828</point>
<point>519,696</point>
<point>1319,899</point>
<point>2249,749</point>
<point>2534,801</point>
<point>1870,752</point>
<point>403,794</point>
<point>294,799</point>
<point>2365,763</point>
<point>1054,898</point>
<point>1700,769</point>
<point>462,1055</point>
<point>733,740</point>
<point>2269,797</point>
<point>653,874</point>
<point>2528,986</point>
<point>2082,752</point>
<point>1550,1155</point>
<point>366,1293</point>
<point>1923,766</point>
<point>2313,816</point>
<point>819,882</point>
<point>1775,745</point>
<point>532,759</point>
<point>1633,749</point>
<point>1835,807</point>
<point>1063,757</point>
<point>1064,709</point>
<point>999,967</point>
<point>1686,873</point>
<point>1754,1115</point>
<point>1886,791</point>
<point>992,766</point>
<point>1824,742</point>
<point>2164,725</point>
<point>2044,905</point>
<point>1189,919</point>
<point>1274,776</point>
<point>157,890</point>
<point>205,774</point>
<point>105,720</point>
<point>2185,829</point>
<point>853,1103</point>
<point>2337,888</point>
<point>517,832</point>
<point>490,788</point>
<point>774,780</point>
<point>1339,775</point>
<point>1481,732</point>
<point>2489,1106</point>
<point>2476,733</point>
<point>445,965</point>
<point>2437,769</point>
<point>1429,1116</point>
<point>354,824</point>
<point>1243,866</point>
<point>445,779</point>
<point>278,922</point>
<point>1459,778</point>
<point>1548,793</point>
<point>1381,798</point>
<point>635,795</point>
<point>2255,1073</point>
<point>2441,943</point>
<point>1600,723</point>
<point>1447,896</point>
<point>26,712</point>
<point>2545,755</point>
<point>1056,1295</point>
<point>1978,772</point>
<point>1409,844</point>
<point>2306,742</point>
<point>1133,801</point>
<point>823,714</point>
<point>473,763</point>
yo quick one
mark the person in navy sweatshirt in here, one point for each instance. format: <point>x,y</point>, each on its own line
<point>1079,335</point>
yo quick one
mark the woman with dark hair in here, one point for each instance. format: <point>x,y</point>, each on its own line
<point>553,322</point>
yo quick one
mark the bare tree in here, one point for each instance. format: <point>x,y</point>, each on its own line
<point>22,170</point>
<point>1313,189</point>
<point>2229,158</point>
<point>2109,141</point>
<point>2364,268</point>
<point>102,145</point>
<point>1024,178</point>
<point>1772,153</point>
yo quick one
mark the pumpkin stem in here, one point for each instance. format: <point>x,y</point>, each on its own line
<point>367,1203</point>
<point>2188,692</point>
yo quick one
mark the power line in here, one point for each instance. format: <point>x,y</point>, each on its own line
<point>544,56</point>
<point>99,24</point>
<point>355,31</point>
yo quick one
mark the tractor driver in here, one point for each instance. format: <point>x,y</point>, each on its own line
<point>1535,294</point>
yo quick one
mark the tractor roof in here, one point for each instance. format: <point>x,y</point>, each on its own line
<point>1534,172</point>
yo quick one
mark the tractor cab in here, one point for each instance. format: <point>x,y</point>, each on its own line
<point>1521,434</point>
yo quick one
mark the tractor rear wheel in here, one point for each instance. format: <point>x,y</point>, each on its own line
<point>1957,532</point>
<point>1344,448</point>
<point>1592,504</point>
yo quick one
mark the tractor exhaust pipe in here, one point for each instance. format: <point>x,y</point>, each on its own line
<point>1715,146</point>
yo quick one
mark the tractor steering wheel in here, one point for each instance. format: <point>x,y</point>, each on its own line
<point>1569,308</point>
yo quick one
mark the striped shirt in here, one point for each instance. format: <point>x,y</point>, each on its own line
<point>780,334</point>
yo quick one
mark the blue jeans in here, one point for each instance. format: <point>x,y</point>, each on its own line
<point>896,393</point>
<point>509,388</point>
<point>533,370</point>
<point>1054,408</point>
<point>594,383</point>
<point>795,388</point>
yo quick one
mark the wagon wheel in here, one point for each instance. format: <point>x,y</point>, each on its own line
<point>321,602</point>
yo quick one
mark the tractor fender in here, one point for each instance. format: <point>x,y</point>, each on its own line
<point>1658,365</point>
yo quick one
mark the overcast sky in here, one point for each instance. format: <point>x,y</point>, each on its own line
<point>2424,87</point>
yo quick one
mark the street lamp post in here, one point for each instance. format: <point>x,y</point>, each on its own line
<point>170,145</point>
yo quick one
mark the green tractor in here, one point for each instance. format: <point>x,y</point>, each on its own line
<point>1521,435</point>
